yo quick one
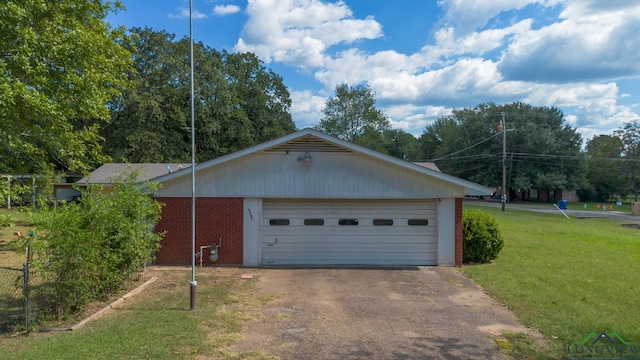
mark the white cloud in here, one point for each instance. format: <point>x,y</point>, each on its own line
<point>592,42</point>
<point>550,64</point>
<point>184,14</point>
<point>414,119</point>
<point>466,16</point>
<point>298,32</point>
<point>474,43</point>
<point>222,10</point>
<point>306,108</point>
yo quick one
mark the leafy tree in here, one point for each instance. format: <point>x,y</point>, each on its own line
<point>542,151</point>
<point>400,144</point>
<point>239,103</point>
<point>351,115</point>
<point>60,63</point>
<point>605,169</point>
<point>629,134</point>
<point>86,250</point>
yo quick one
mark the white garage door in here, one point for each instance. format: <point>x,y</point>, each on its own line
<point>349,233</point>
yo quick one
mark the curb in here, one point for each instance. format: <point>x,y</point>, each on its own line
<point>105,309</point>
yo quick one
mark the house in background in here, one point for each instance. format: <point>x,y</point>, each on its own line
<point>547,195</point>
<point>309,199</point>
<point>107,174</point>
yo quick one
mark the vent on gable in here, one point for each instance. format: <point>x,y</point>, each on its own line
<point>310,143</point>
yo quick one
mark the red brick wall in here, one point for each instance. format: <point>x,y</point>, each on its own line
<point>215,218</point>
<point>458,225</point>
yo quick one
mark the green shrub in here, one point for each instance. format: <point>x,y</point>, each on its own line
<point>7,220</point>
<point>87,249</point>
<point>481,238</point>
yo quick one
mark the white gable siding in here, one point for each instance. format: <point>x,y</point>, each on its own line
<point>330,175</point>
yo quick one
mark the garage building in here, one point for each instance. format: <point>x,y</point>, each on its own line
<point>309,199</point>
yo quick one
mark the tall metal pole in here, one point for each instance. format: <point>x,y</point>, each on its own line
<point>504,163</point>
<point>193,283</point>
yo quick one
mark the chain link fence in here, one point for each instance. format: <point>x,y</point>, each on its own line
<point>13,309</point>
<point>20,298</point>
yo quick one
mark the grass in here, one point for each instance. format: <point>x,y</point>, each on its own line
<point>11,300</point>
<point>156,327</point>
<point>600,206</point>
<point>8,255</point>
<point>580,205</point>
<point>567,278</point>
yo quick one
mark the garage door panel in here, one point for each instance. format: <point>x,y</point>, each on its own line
<point>351,248</point>
<point>300,215</point>
<point>339,205</point>
<point>338,232</point>
<point>291,242</point>
<point>310,240</point>
<point>356,259</point>
<point>331,259</point>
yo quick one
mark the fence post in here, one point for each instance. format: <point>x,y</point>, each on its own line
<point>27,310</point>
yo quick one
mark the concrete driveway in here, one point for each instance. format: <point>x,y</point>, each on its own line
<point>417,313</point>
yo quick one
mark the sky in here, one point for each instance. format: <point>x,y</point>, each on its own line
<point>425,58</point>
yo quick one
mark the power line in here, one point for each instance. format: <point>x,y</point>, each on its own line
<point>467,148</point>
<point>530,155</point>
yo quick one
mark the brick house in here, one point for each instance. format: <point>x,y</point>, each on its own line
<point>309,199</point>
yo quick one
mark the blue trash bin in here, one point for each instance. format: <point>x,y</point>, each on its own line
<point>562,204</point>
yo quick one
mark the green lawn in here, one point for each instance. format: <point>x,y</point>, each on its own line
<point>157,325</point>
<point>600,206</point>
<point>572,205</point>
<point>567,278</point>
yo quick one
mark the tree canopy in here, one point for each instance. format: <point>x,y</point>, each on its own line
<point>61,63</point>
<point>351,115</point>
<point>238,102</point>
<point>629,134</point>
<point>604,169</point>
<point>542,150</point>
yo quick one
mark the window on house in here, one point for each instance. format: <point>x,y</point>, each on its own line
<point>418,222</point>
<point>348,222</point>
<point>382,222</point>
<point>279,222</point>
<point>314,221</point>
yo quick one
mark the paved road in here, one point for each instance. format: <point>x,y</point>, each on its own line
<point>418,313</point>
<point>551,209</point>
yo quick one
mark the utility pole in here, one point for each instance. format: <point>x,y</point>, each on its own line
<point>193,284</point>
<point>504,162</point>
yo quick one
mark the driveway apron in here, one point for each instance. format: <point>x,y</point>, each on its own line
<point>416,313</point>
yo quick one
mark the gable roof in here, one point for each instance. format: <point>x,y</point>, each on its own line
<point>315,141</point>
<point>108,173</point>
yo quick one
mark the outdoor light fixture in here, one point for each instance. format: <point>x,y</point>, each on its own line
<point>306,159</point>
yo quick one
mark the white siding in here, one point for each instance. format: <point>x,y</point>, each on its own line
<point>361,244</point>
<point>330,175</point>
<point>252,232</point>
<point>446,232</point>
